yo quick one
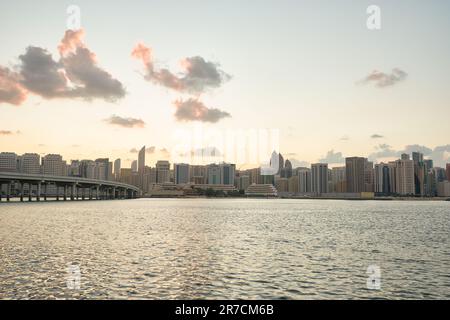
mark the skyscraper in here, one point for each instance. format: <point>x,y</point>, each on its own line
<point>319,178</point>
<point>382,179</point>
<point>117,167</point>
<point>355,171</point>
<point>162,171</point>
<point>286,172</point>
<point>419,173</point>
<point>227,173</point>
<point>405,177</point>
<point>280,163</point>
<point>141,160</point>
<point>53,164</point>
<point>8,162</point>
<point>104,169</point>
<point>213,174</point>
<point>134,166</point>
<point>181,173</point>
<point>447,171</point>
<point>29,163</point>
<point>304,180</point>
<point>338,180</point>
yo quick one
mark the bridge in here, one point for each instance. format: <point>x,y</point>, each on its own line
<point>73,188</point>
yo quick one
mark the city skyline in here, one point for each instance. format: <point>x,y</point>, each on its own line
<point>409,175</point>
<point>327,106</point>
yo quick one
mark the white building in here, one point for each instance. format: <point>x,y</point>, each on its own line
<point>405,177</point>
<point>261,190</point>
<point>53,164</point>
<point>8,162</point>
<point>30,163</point>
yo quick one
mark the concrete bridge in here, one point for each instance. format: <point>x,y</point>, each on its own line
<point>41,187</point>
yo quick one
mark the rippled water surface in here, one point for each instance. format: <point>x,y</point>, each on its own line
<point>230,249</point>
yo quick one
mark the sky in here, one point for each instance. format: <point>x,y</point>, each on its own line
<point>154,72</point>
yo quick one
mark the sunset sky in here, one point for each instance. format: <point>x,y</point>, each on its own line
<point>139,71</point>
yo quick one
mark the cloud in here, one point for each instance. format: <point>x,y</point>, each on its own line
<point>382,80</point>
<point>125,122</point>
<point>150,150</point>
<point>11,91</point>
<point>440,154</point>
<point>299,163</point>
<point>198,74</point>
<point>194,110</point>
<point>165,152</point>
<point>134,150</point>
<point>75,75</point>
<point>333,157</point>
<point>344,138</point>
<point>376,136</point>
<point>6,133</point>
<point>384,151</point>
<point>41,74</point>
<point>417,148</point>
<point>81,69</point>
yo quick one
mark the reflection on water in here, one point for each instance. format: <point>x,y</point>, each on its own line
<point>229,249</point>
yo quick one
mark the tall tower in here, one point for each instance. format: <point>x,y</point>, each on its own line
<point>319,178</point>
<point>355,169</point>
<point>141,160</point>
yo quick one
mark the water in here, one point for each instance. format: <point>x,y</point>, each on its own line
<point>224,249</point>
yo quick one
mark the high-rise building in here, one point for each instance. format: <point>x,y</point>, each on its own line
<point>281,184</point>
<point>243,182</point>
<point>162,171</point>
<point>100,171</point>
<point>8,162</point>
<point>30,163</point>
<point>319,178</point>
<point>134,166</point>
<point>405,177</point>
<point>104,169</point>
<point>141,160</point>
<point>447,170</point>
<point>419,173</point>
<point>75,168</point>
<point>126,175</point>
<point>117,167</point>
<point>280,163</point>
<point>439,174</point>
<point>382,179</point>
<point>87,169</point>
<point>338,180</point>
<point>181,173</point>
<point>429,179</point>
<point>198,174</point>
<point>53,164</point>
<point>223,173</point>
<point>286,172</point>
<point>369,176</point>
<point>213,174</point>
<point>355,172</point>
<point>227,173</point>
<point>293,184</point>
<point>304,180</point>
<point>405,156</point>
